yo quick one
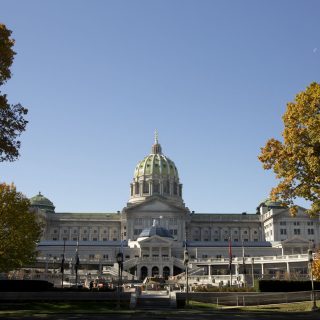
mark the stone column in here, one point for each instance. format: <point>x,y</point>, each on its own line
<point>262,270</point>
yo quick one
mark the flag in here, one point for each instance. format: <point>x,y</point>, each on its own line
<point>230,256</point>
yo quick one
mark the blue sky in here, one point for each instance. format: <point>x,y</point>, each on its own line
<point>98,77</point>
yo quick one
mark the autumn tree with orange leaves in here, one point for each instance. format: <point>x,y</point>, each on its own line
<point>296,159</point>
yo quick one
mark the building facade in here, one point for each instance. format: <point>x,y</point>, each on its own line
<point>154,226</point>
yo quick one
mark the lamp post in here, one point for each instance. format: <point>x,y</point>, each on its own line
<point>120,264</point>
<point>252,271</point>
<point>185,262</point>
<point>310,260</point>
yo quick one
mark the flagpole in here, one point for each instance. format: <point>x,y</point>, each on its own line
<point>77,262</point>
<point>230,261</point>
<point>244,264</point>
<point>62,262</point>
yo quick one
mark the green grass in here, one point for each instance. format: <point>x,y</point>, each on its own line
<point>282,307</point>
<point>30,308</point>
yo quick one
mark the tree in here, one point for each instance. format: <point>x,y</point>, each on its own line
<point>19,229</point>
<point>12,121</point>
<point>316,266</point>
<point>296,160</point>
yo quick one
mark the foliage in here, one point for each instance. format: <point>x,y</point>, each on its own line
<point>19,229</point>
<point>316,267</point>
<point>296,160</point>
<point>12,121</point>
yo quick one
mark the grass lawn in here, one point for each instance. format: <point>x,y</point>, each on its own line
<point>282,307</point>
<point>50,308</point>
<point>30,308</point>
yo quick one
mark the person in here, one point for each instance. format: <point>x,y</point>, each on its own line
<point>91,285</point>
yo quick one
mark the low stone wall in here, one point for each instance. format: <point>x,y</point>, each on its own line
<point>245,298</point>
<point>63,296</point>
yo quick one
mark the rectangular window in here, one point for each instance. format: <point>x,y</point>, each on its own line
<point>282,223</point>
<point>310,223</point>
<point>85,239</point>
<point>296,231</point>
<point>105,256</point>
<point>283,231</point>
<point>94,239</point>
<point>296,223</point>
<point>91,256</point>
<point>310,231</point>
<point>104,239</point>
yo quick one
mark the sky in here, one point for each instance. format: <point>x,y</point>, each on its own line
<point>98,77</point>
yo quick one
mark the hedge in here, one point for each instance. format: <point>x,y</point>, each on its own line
<point>286,285</point>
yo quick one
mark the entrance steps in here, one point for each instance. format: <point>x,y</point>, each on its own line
<point>155,301</point>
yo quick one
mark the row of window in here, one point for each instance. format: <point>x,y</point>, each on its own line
<point>83,239</point>
<point>196,231</point>
<point>296,231</point>
<point>149,221</point>
<point>225,240</point>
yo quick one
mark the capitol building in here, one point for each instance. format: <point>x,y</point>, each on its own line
<point>154,227</point>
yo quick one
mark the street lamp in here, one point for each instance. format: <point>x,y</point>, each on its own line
<point>252,271</point>
<point>310,260</point>
<point>185,262</point>
<point>120,264</point>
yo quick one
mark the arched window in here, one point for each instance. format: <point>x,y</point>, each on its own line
<point>155,271</point>
<point>156,187</point>
<point>131,189</point>
<point>136,188</point>
<point>144,273</point>
<point>166,272</point>
<point>145,187</point>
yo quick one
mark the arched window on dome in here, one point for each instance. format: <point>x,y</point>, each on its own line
<point>136,188</point>
<point>156,187</point>
<point>131,189</point>
<point>175,188</point>
<point>166,187</point>
<point>145,187</point>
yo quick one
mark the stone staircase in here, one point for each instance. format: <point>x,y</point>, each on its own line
<point>155,301</point>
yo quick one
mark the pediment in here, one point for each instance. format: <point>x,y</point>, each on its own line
<point>156,205</point>
<point>295,240</point>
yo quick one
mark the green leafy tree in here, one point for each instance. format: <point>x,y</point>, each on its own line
<point>20,229</point>
<point>12,117</point>
<point>296,160</point>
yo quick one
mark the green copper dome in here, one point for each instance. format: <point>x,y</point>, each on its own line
<point>158,165</point>
<point>156,174</point>
<point>41,202</point>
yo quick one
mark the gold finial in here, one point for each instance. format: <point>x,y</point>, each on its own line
<point>155,136</point>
